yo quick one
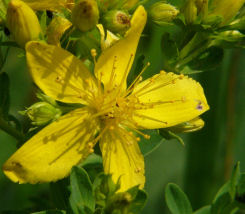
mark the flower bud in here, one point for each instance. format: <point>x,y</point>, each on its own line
<point>129,4</point>
<point>190,126</point>
<point>85,15</point>
<point>56,29</point>
<point>190,11</point>
<point>105,5</point>
<point>226,8</point>
<point>162,13</point>
<point>202,7</point>
<point>41,113</point>
<point>22,22</point>
<point>238,24</point>
<point>116,21</point>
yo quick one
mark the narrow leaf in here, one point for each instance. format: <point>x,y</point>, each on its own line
<point>81,191</point>
<point>177,201</point>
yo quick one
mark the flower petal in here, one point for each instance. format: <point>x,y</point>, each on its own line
<point>167,100</point>
<point>58,73</point>
<point>122,158</point>
<point>50,154</point>
<point>115,62</point>
<point>109,40</point>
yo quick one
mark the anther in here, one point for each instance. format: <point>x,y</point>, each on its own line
<point>58,79</point>
<point>181,76</point>
<point>138,139</point>
<point>111,127</point>
<point>90,145</point>
<point>91,150</point>
<point>93,52</point>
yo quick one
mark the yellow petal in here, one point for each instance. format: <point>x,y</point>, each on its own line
<point>115,62</point>
<point>168,100</point>
<point>109,40</point>
<point>56,29</point>
<point>51,153</point>
<point>122,158</point>
<point>53,5</point>
<point>58,73</point>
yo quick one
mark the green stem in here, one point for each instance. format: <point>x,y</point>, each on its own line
<point>199,43</point>
<point>230,111</point>
<point>10,130</point>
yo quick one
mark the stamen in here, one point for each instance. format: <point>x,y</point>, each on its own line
<point>157,87</point>
<point>113,75</point>
<point>139,75</point>
<point>137,131</point>
<point>150,118</point>
<point>93,53</point>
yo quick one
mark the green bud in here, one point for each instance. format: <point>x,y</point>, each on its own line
<point>85,15</point>
<point>202,7</point>
<point>162,13</point>
<point>22,22</point>
<point>105,5</point>
<point>194,9</point>
<point>226,8</point>
<point>238,24</point>
<point>190,126</point>
<point>41,113</point>
<point>190,11</point>
<point>229,36</point>
<point>129,4</point>
<point>116,21</point>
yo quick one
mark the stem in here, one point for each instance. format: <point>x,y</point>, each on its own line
<point>230,111</point>
<point>10,130</point>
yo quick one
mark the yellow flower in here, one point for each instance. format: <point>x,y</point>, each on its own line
<point>112,114</point>
<point>227,8</point>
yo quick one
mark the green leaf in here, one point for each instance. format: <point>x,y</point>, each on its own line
<point>147,146</point>
<point>177,201</point>
<point>4,95</point>
<point>203,210</point>
<point>223,204</point>
<point>51,212</point>
<point>234,180</point>
<point>139,200</point>
<point>81,199</point>
<point>222,190</point>
<point>241,185</point>
<point>93,165</point>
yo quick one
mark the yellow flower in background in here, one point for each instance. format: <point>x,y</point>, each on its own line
<point>227,8</point>
<point>113,114</point>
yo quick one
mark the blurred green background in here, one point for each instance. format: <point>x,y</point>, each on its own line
<point>200,168</point>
